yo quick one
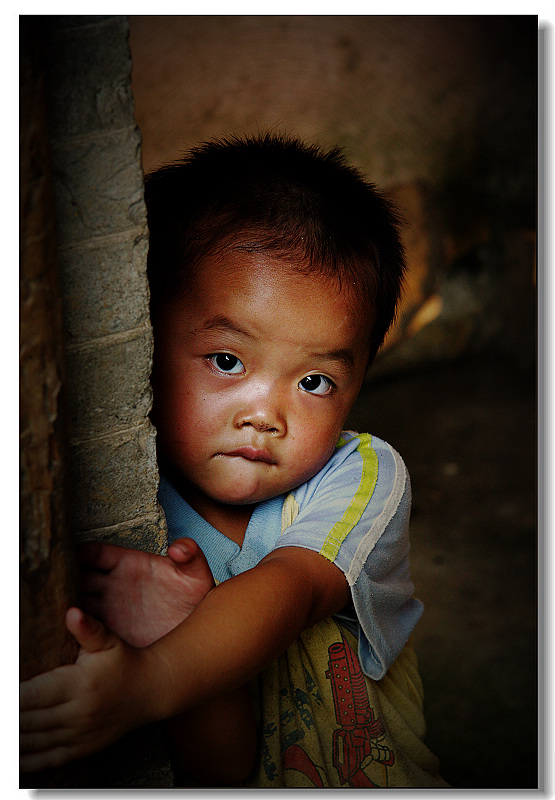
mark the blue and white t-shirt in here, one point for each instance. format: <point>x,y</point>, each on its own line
<point>354,512</point>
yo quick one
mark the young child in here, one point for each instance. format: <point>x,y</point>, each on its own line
<point>274,635</point>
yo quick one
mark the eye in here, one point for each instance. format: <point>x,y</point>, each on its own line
<point>224,362</point>
<point>316,384</point>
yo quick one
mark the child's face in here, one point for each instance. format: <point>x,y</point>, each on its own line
<point>255,373</point>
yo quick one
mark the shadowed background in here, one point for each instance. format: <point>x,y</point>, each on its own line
<point>441,112</point>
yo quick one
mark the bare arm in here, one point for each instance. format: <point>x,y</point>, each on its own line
<point>237,629</point>
<point>247,621</point>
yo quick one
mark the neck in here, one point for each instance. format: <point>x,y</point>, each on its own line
<point>230,520</point>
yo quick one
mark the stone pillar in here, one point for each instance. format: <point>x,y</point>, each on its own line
<point>102,246</point>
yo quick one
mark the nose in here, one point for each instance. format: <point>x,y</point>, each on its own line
<point>262,413</point>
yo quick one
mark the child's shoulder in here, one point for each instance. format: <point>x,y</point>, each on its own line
<point>361,462</point>
<point>342,512</point>
<point>368,448</point>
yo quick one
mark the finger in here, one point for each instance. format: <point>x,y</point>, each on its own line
<point>42,719</point>
<point>40,739</point>
<point>48,759</point>
<point>90,633</point>
<point>183,550</point>
<point>43,691</point>
<point>100,555</point>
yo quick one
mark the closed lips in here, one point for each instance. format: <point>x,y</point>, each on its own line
<point>252,454</point>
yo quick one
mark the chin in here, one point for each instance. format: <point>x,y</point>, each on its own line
<point>245,498</point>
<point>247,495</point>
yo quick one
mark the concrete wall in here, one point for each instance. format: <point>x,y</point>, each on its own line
<point>408,97</point>
<point>439,110</point>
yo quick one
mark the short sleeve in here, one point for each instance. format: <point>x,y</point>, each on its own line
<point>355,513</point>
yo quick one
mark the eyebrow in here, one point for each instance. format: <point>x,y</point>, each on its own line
<point>344,357</point>
<point>222,323</point>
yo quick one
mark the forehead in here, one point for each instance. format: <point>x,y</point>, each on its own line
<point>262,287</point>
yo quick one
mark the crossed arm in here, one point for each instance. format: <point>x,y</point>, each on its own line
<point>239,627</point>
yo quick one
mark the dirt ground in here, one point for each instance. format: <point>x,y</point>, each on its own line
<point>467,432</point>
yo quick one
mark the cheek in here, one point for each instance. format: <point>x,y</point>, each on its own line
<point>327,421</point>
<point>316,436</point>
<point>174,407</point>
<point>184,430</point>
<point>199,413</point>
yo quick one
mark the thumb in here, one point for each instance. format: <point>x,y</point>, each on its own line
<point>183,550</point>
<point>90,633</point>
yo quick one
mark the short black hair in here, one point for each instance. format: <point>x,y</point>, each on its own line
<point>277,195</point>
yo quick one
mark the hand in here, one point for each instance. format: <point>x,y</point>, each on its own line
<point>142,596</point>
<point>75,710</point>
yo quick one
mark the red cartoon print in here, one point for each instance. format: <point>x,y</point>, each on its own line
<point>359,739</point>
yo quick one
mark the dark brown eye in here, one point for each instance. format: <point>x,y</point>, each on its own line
<point>316,384</point>
<point>225,362</point>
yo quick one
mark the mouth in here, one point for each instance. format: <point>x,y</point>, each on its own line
<point>252,454</point>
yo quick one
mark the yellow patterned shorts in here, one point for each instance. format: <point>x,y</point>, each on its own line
<point>325,724</point>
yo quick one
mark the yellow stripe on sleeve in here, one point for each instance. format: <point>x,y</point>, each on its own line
<point>362,496</point>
